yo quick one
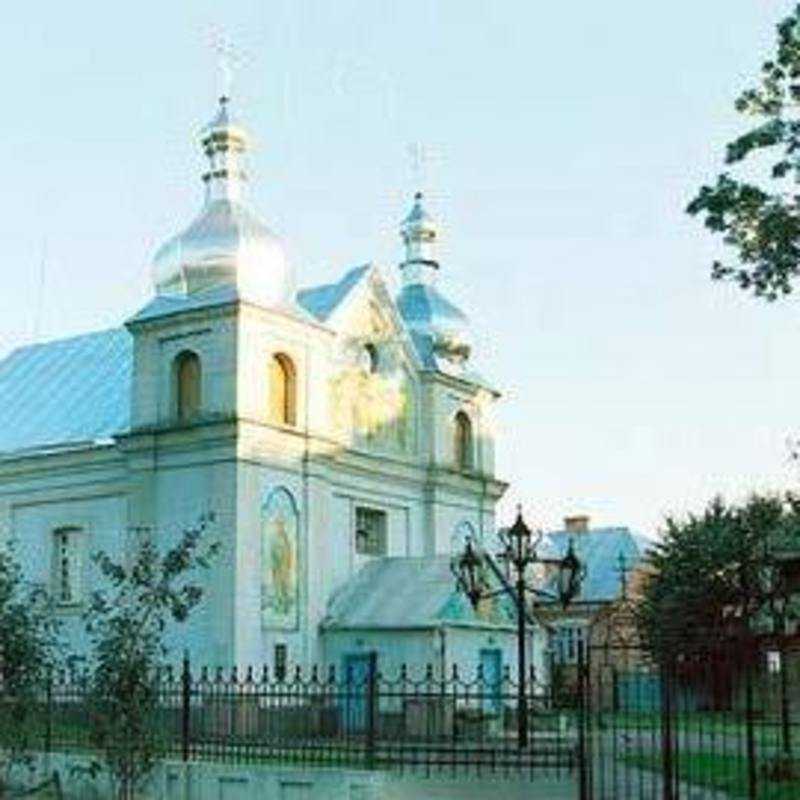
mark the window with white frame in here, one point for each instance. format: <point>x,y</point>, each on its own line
<point>370,531</point>
<point>67,543</point>
<point>567,642</point>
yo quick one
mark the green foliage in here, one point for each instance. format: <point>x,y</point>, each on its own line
<point>28,647</point>
<point>761,221</point>
<point>718,575</point>
<point>127,624</point>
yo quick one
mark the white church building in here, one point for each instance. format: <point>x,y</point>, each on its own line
<point>337,433</point>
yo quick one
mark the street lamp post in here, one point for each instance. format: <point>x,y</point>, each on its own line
<point>519,552</point>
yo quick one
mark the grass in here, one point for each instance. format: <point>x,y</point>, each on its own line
<point>707,724</point>
<point>724,773</point>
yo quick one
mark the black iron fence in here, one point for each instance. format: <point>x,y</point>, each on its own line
<point>414,719</point>
<point>620,723</point>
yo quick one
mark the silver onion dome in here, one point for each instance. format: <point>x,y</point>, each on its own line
<point>428,314</point>
<point>227,243</point>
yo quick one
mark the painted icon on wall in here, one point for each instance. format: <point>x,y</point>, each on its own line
<point>279,582</point>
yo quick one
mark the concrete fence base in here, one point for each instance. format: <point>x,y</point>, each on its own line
<point>176,780</point>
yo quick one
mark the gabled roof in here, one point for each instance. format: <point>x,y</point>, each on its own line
<point>322,301</point>
<point>407,593</point>
<point>599,550</point>
<point>68,392</point>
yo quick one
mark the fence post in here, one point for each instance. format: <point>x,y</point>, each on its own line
<point>371,707</point>
<point>667,778</point>
<point>752,779</point>
<point>786,727</point>
<point>48,731</point>
<point>584,762</point>
<point>186,691</point>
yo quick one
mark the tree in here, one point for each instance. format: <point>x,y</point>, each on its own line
<point>28,639</point>
<point>127,627</point>
<point>715,575</point>
<point>760,220</point>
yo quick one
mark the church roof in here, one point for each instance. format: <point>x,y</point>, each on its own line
<point>599,550</point>
<point>322,301</point>
<point>407,593</point>
<point>67,392</point>
<point>77,391</point>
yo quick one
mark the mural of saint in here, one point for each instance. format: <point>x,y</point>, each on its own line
<point>279,581</point>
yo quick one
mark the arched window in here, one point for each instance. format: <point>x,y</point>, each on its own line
<point>283,390</point>
<point>187,385</point>
<point>463,441</point>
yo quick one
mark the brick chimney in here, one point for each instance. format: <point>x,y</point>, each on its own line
<point>577,523</point>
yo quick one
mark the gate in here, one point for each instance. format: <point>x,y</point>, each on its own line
<point>719,721</point>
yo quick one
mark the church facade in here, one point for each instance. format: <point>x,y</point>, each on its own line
<point>337,433</point>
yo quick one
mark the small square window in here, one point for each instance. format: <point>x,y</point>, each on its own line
<point>370,532</point>
<point>569,640</point>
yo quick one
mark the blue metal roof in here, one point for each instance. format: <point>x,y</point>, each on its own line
<point>322,301</point>
<point>163,305</point>
<point>599,550</point>
<point>408,593</point>
<point>66,392</point>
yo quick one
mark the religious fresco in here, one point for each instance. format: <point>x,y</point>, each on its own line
<point>279,556</point>
<point>375,408</point>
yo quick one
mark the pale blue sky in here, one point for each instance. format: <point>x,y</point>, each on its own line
<point>567,139</point>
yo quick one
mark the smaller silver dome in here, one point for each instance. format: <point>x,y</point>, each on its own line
<point>227,243</point>
<point>429,314</point>
<point>433,320</point>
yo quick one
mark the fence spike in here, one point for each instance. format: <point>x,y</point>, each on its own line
<point>404,672</point>
<point>249,676</point>
<point>219,675</point>
<point>314,674</point>
<point>234,674</point>
<point>429,672</point>
<point>455,672</point>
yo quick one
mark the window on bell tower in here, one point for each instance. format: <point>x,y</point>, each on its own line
<point>463,444</point>
<point>187,385</point>
<point>283,390</point>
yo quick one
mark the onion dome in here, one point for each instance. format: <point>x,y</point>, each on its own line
<point>442,329</point>
<point>227,244</point>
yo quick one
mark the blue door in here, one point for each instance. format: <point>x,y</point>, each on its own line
<point>492,666</point>
<point>356,691</point>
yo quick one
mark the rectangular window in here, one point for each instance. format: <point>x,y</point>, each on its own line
<point>280,661</point>
<point>370,531</point>
<point>67,566</point>
<point>569,639</point>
